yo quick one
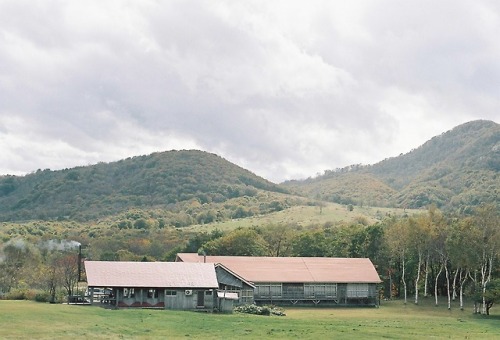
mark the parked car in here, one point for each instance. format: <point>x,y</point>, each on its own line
<point>100,293</point>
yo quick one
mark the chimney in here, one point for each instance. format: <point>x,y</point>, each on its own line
<point>79,263</point>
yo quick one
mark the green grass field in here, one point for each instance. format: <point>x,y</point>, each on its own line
<point>393,320</point>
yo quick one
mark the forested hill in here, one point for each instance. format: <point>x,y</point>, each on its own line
<point>159,180</point>
<point>457,170</point>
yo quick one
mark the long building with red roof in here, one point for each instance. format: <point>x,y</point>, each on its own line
<point>300,280</point>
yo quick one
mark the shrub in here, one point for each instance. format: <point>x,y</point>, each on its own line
<point>31,294</point>
<point>42,297</point>
<point>20,294</point>
<point>259,310</point>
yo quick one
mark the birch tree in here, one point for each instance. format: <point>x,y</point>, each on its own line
<point>397,235</point>
<point>462,245</point>
<point>420,233</point>
<point>487,223</point>
<point>440,233</point>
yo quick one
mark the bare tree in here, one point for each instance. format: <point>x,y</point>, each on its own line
<point>67,267</point>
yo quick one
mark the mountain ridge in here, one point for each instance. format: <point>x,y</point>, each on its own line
<point>157,180</point>
<point>430,174</point>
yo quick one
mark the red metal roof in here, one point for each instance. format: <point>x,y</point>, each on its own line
<point>150,274</point>
<point>293,269</point>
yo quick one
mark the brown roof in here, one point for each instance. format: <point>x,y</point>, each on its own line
<point>293,269</point>
<point>150,274</point>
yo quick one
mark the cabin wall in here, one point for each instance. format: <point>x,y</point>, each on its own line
<point>178,299</point>
<point>245,294</point>
<point>228,282</point>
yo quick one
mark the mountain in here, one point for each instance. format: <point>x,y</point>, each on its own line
<point>159,180</point>
<point>455,170</point>
<point>458,169</point>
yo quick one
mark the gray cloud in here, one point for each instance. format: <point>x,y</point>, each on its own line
<point>283,88</point>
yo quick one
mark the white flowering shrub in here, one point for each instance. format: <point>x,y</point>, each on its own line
<point>259,310</point>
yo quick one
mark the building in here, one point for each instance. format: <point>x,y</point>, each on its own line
<point>299,280</point>
<point>164,285</point>
<point>233,283</point>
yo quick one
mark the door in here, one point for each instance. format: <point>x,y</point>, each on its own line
<point>342,292</point>
<point>201,298</point>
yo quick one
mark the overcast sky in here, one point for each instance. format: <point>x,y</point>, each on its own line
<point>285,89</point>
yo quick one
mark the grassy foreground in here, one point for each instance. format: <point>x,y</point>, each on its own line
<point>31,320</point>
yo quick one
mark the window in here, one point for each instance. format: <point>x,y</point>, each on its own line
<point>246,296</point>
<point>293,290</point>
<point>170,293</point>
<point>208,292</point>
<point>320,290</point>
<point>269,290</point>
<point>128,293</point>
<point>152,293</point>
<point>357,290</point>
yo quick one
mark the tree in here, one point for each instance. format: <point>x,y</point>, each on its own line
<point>19,261</point>
<point>420,234</point>
<point>487,221</point>
<point>440,228</point>
<point>50,275</point>
<point>278,239</point>
<point>397,236</point>
<point>491,294</point>
<point>310,243</point>
<point>67,266</point>
<point>239,242</point>
<point>462,245</point>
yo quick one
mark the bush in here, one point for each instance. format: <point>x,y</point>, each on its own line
<point>20,294</point>
<point>259,310</point>
<point>42,297</point>
<point>31,294</point>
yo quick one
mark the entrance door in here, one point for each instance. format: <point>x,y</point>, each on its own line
<point>201,298</point>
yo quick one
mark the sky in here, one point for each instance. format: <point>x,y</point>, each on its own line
<point>285,89</point>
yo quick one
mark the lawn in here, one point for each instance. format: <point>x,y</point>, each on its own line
<point>393,320</point>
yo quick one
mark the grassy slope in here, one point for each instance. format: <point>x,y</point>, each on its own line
<point>23,320</point>
<point>307,216</point>
<point>353,187</point>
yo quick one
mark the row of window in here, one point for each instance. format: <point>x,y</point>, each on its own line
<point>153,293</point>
<point>357,290</point>
<point>277,290</point>
<point>320,290</point>
<point>129,293</point>
<point>309,290</point>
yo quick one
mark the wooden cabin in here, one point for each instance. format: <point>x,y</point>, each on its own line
<point>301,280</point>
<point>162,285</point>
